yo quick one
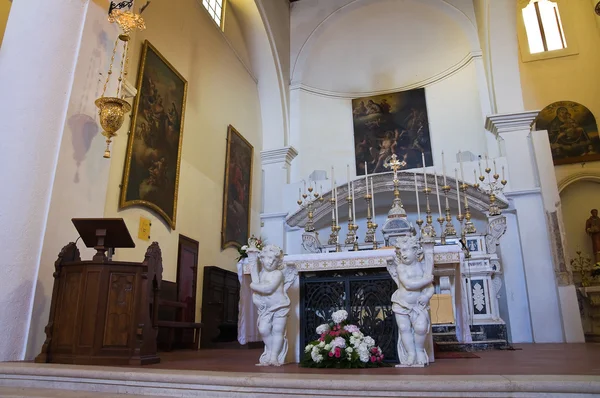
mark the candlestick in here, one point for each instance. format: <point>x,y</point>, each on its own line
<point>366,178</point>
<point>480,173</point>
<point>348,178</point>
<point>372,199</point>
<point>444,168</point>
<point>417,195</point>
<point>503,173</point>
<point>304,186</point>
<point>495,167</point>
<point>437,193</point>
<point>424,173</point>
<point>487,165</point>
<point>337,222</point>
<point>462,175</point>
<point>353,204</point>
<point>457,192</point>
<point>299,193</point>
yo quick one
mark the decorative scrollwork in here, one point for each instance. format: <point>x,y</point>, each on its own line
<point>363,293</point>
<point>120,5</point>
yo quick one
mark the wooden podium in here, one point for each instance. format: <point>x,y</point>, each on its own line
<point>102,311</point>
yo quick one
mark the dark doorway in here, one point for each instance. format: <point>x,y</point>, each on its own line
<point>220,299</point>
<point>187,276</point>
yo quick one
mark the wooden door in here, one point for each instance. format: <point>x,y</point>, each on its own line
<point>187,271</point>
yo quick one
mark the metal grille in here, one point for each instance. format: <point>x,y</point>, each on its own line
<point>366,295</point>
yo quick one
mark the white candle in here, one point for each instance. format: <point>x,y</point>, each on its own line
<point>480,173</point>
<point>332,178</point>
<point>457,191</point>
<point>417,195</point>
<point>503,173</point>
<point>424,173</point>
<point>462,175</point>
<point>348,177</point>
<point>495,172</point>
<point>444,168</point>
<point>487,165</point>
<point>366,179</point>
<point>372,199</point>
<point>353,204</point>
<point>437,192</point>
<point>336,203</point>
<point>475,175</point>
<point>304,186</point>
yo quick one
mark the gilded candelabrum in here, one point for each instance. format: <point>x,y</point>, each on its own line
<point>469,227</point>
<point>428,231</point>
<point>112,110</point>
<point>449,230</point>
<point>370,236</point>
<point>311,201</point>
<point>334,237</point>
<point>491,185</point>
<point>352,227</point>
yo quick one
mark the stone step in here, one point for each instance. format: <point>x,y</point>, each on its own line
<point>484,345</point>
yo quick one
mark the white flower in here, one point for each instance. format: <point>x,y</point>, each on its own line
<point>339,316</point>
<point>308,348</point>
<point>316,356</point>
<point>369,341</point>
<point>364,356</point>
<point>245,247</point>
<point>357,335</point>
<point>324,328</point>
<point>322,344</point>
<point>351,329</point>
<point>315,349</point>
<point>349,349</point>
<point>339,342</point>
<point>327,347</point>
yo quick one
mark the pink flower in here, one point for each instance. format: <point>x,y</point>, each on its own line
<point>372,359</point>
<point>352,328</point>
<point>382,357</point>
<point>337,353</point>
<point>330,354</point>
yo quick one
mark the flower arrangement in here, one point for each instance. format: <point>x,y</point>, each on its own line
<point>342,345</point>
<point>253,241</point>
<point>588,272</point>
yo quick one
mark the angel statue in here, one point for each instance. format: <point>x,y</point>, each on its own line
<point>269,286</point>
<point>410,302</point>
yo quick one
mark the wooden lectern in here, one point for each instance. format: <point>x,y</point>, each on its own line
<point>100,312</point>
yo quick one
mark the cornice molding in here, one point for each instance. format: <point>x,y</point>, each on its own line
<point>466,61</point>
<point>507,122</point>
<point>279,155</point>
<point>525,192</point>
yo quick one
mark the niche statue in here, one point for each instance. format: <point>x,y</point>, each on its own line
<point>269,286</point>
<point>410,302</point>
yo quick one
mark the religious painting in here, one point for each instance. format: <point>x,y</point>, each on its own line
<point>151,175</point>
<point>237,190</point>
<point>390,124</point>
<point>572,131</point>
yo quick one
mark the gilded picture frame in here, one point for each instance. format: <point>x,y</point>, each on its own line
<point>152,162</point>
<point>237,190</point>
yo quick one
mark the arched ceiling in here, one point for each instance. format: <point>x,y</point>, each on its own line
<point>368,46</point>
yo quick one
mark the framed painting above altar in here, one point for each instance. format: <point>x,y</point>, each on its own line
<point>391,123</point>
<point>237,190</point>
<point>151,175</point>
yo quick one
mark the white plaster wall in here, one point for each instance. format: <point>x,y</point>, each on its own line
<point>322,127</point>
<point>81,173</point>
<point>220,92</point>
<point>577,200</point>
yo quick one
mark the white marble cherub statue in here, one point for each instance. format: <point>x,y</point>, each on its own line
<point>410,302</point>
<point>269,286</point>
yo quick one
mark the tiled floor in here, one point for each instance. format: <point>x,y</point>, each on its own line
<point>528,359</point>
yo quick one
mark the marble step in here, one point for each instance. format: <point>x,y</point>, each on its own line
<point>484,345</point>
<point>451,336</point>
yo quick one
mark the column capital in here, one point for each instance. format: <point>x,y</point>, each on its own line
<point>506,122</point>
<point>279,155</point>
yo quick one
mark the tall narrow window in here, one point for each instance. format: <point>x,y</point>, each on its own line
<point>543,26</point>
<point>215,9</point>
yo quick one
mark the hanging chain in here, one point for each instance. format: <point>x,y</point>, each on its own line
<point>119,86</point>
<point>110,67</point>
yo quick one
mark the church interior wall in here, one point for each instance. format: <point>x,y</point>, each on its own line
<point>4,11</point>
<point>569,78</point>
<point>221,91</point>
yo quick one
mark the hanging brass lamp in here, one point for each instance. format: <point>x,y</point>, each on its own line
<point>112,110</point>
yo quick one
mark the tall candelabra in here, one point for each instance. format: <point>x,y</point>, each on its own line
<point>493,186</point>
<point>352,227</point>
<point>371,226</point>
<point>311,201</point>
<point>469,227</point>
<point>334,238</point>
<point>449,230</point>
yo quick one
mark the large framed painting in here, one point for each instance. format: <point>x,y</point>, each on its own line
<point>151,176</point>
<point>572,131</point>
<point>391,123</point>
<point>237,191</point>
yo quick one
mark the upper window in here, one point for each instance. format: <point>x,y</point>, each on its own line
<point>543,26</point>
<point>215,9</point>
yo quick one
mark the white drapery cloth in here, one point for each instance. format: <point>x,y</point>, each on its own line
<point>248,316</point>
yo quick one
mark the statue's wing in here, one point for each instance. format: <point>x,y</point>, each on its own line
<point>393,271</point>
<point>290,273</point>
